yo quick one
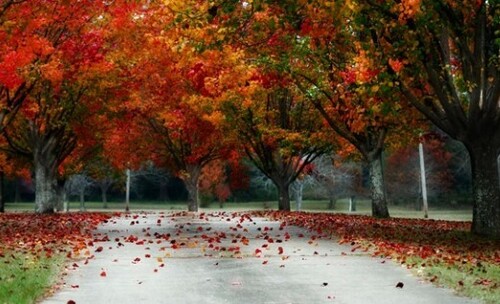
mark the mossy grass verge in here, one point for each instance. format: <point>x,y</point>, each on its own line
<point>25,278</point>
<point>478,280</point>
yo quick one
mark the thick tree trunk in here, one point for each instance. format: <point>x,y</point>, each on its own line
<point>60,194</point>
<point>283,197</point>
<point>45,185</point>
<point>379,202</point>
<point>486,190</point>
<point>193,202</point>
<point>191,180</point>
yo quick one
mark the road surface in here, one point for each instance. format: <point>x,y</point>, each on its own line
<point>228,258</point>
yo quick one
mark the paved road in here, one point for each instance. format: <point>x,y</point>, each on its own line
<point>226,258</point>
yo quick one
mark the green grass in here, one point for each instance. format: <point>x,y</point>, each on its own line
<point>479,281</point>
<point>25,278</point>
<point>363,207</point>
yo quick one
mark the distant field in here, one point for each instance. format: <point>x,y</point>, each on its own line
<point>362,207</point>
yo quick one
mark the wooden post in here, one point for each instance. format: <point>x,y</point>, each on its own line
<point>127,192</point>
<point>422,179</point>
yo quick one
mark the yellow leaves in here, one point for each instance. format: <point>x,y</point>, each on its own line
<point>215,118</point>
<point>408,9</point>
<point>52,71</point>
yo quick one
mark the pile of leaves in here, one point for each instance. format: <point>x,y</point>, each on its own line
<point>44,235</point>
<point>434,241</point>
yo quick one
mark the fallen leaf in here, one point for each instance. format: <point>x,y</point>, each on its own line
<point>400,285</point>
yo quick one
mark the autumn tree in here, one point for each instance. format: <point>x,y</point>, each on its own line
<point>316,43</point>
<point>445,59</point>
<point>64,94</point>
<point>280,135</point>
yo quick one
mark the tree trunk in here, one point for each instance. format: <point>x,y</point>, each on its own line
<point>45,185</point>
<point>82,199</point>
<point>60,194</point>
<point>193,202</point>
<point>332,202</point>
<point>2,194</point>
<point>352,204</point>
<point>379,202</point>
<point>298,192</point>
<point>283,196</point>
<point>486,190</point>
<point>191,181</point>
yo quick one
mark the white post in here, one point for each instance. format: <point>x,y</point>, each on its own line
<point>127,191</point>
<point>422,179</point>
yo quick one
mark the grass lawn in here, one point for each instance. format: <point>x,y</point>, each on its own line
<point>25,278</point>
<point>363,207</point>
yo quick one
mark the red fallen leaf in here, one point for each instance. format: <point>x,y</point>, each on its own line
<point>99,249</point>
<point>265,262</point>
<point>280,250</point>
<point>147,255</point>
<point>75,265</point>
<point>400,285</point>
<point>103,273</point>
<point>136,260</point>
<point>75,286</point>
<point>258,252</point>
<point>265,245</point>
<point>161,265</point>
<point>155,270</point>
<point>71,302</point>
<point>132,223</point>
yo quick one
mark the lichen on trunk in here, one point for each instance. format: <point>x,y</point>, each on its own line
<point>45,188</point>
<point>191,179</point>
<point>486,190</point>
<point>379,202</point>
